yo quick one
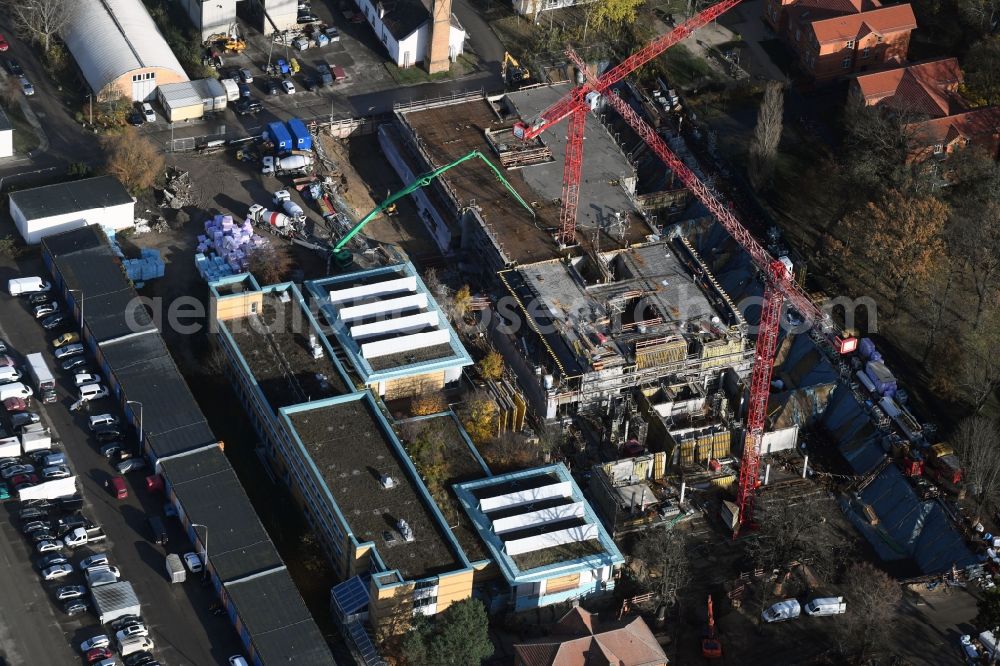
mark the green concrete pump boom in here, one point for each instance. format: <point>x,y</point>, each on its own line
<point>424,181</point>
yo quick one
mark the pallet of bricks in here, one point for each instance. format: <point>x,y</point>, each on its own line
<point>225,247</point>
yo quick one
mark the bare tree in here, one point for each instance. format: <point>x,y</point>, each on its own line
<point>767,135</point>
<point>872,597</point>
<point>978,371</point>
<point>977,442</point>
<point>132,159</point>
<point>975,237</point>
<point>786,535</point>
<point>40,19</point>
<point>665,564</point>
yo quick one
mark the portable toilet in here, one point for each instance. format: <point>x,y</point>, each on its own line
<point>277,134</point>
<point>301,137</point>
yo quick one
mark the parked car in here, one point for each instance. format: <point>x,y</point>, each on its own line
<point>237,660</point>
<point>135,117</point>
<point>76,538</point>
<point>51,560</point>
<point>131,465</point>
<point>98,654</point>
<point>75,363</point>
<point>42,535</point>
<point>14,67</point>
<point>33,514</point>
<point>147,112</point>
<point>3,44</point>
<point>43,547</point>
<point>9,462</point>
<point>70,503</point>
<point>82,378</point>
<point>138,658</point>
<point>102,420</point>
<point>21,419</point>
<point>21,479</point>
<point>94,560</point>
<point>39,298</point>
<point>245,106</point>
<point>26,87</point>
<point>4,492</point>
<point>110,433</point>
<point>53,321</point>
<point>124,621</point>
<point>45,309</point>
<point>65,339</point>
<point>57,571</point>
<point>73,349</point>
<point>93,392</point>
<point>193,562</point>
<point>97,641</point>
<point>56,472</point>
<point>15,470</point>
<point>66,592</point>
<point>75,607</point>
<point>111,450</point>
<point>246,76</point>
<point>288,87</point>
<point>272,87</point>
<point>12,405</point>
<point>132,630</point>
<point>245,91</point>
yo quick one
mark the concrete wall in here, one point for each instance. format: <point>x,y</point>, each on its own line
<point>210,18</point>
<point>33,231</point>
<point>237,306</point>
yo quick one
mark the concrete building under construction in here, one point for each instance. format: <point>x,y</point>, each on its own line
<point>629,305</point>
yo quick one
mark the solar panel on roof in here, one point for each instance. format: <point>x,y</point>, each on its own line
<point>363,643</point>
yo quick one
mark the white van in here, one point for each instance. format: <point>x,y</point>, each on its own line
<point>826,606</point>
<point>93,392</point>
<point>789,609</point>
<point>15,390</point>
<point>135,644</point>
<point>27,285</point>
<point>9,374</point>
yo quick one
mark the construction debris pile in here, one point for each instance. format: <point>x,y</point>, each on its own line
<point>225,247</point>
<point>177,192</point>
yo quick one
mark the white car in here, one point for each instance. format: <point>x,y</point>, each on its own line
<point>237,660</point>
<point>96,642</point>
<point>789,609</point>
<point>93,392</point>
<point>147,113</point>
<point>26,87</point>
<point>57,571</point>
<point>76,538</point>
<point>82,378</point>
<point>94,560</point>
<point>131,631</point>
<point>102,420</point>
<point>288,86</point>
<point>193,562</point>
<point>56,472</point>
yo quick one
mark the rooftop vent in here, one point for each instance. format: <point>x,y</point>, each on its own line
<point>387,481</point>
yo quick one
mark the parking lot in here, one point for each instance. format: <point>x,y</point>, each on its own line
<point>33,626</point>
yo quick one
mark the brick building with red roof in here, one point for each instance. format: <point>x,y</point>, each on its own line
<point>578,640</point>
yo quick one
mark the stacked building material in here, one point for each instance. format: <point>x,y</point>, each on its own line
<point>148,266</point>
<point>225,247</point>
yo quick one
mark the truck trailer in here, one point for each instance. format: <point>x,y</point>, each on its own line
<point>175,569</point>
<point>45,383</point>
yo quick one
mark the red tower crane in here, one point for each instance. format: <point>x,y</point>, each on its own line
<point>779,286</point>
<point>574,106</point>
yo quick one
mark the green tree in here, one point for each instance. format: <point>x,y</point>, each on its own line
<point>132,159</point>
<point>479,416</point>
<point>457,637</point>
<point>982,70</point>
<point>612,13</point>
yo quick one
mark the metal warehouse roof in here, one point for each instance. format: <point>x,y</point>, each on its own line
<point>70,197</point>
<point>109,38</point>
<point>283,630</point>
<point>179,95</point>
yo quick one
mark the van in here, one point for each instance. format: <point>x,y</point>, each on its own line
<point>9,374</point>
<point>27,285</point>
<point>788,609</point>
<point>15,390</point>
<point>157,530</point>
<point>826,606</point>
<point>135,644</point>
<point>117,487</point>
<point>93,392</point>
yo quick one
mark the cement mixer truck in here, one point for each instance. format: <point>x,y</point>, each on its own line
<point>275,222</point>
<point>284,200</point>
<point>283,166</point>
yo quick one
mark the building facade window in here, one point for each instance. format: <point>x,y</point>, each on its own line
<point>850,43</point>
<point>798,35</point>
<point>845,63</point>
<point>866,52</point>
<point>938,149</point>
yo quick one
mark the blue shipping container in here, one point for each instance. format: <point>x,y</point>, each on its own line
<point>300,133</point>
<point>277,133</point>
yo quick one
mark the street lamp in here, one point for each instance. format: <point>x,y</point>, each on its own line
<point>204,564</point>
<point>136,402</point>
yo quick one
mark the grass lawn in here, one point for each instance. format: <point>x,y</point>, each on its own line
<point>465,64</point>
<point>25,139</point>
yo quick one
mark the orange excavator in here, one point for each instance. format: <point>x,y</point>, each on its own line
<point>711,647</point>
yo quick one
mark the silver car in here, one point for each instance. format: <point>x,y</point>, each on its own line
<point>69,350</point>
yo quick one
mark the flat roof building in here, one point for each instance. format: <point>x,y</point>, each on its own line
<point>543,535</point>
<point>51,209</point>
<point>395,336</point>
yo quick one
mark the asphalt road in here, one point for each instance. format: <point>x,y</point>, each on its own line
<point>33,630</point>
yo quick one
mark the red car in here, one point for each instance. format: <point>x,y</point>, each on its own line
<point>24,478</point>
<point>97,654</point>
<point>12,405</point>
<point>3,44</point>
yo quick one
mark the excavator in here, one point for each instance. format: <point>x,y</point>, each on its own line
<point>514,74</point>
<point>342,257</point>
<point>711,646</point>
